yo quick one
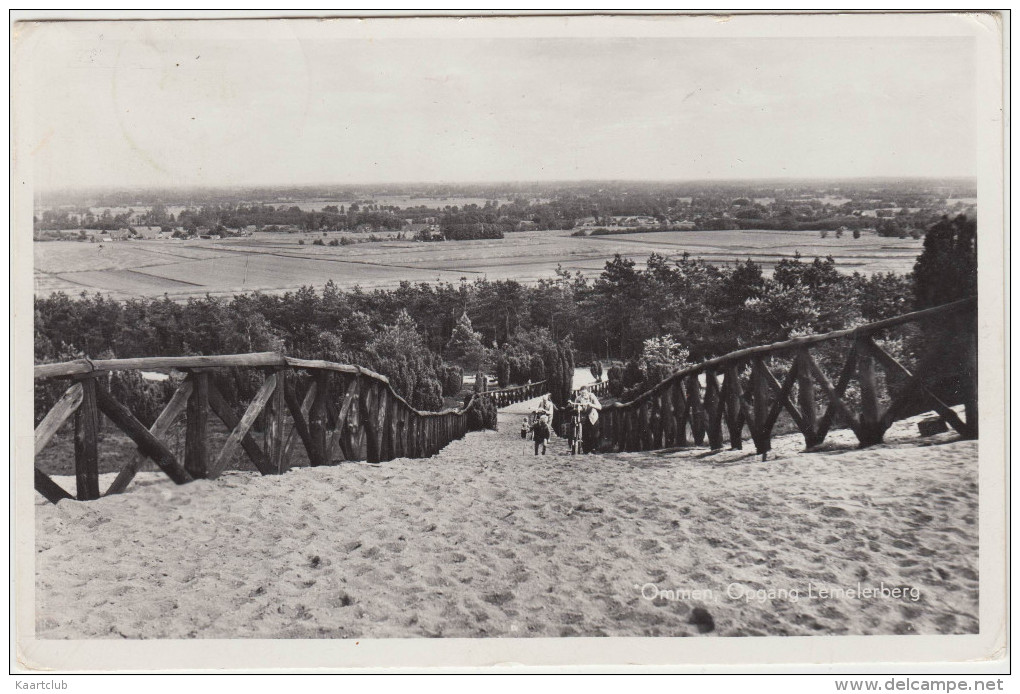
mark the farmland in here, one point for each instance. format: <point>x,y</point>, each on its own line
<point>274,262</point>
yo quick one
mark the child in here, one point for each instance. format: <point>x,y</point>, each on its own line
<point>524,428</point>
<point>541,432</point>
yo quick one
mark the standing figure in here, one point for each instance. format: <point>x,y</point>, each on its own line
<point>589,406</point>
<point>541,432</point>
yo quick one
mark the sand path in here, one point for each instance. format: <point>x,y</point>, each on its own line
<point>486,539</point>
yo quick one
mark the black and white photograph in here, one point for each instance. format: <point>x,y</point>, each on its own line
<point>536,331</point>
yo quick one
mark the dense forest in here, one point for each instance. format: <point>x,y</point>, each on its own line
<point>650,318</point>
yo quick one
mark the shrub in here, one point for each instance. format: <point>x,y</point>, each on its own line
<point>334,242</point>
<point>616,380</point>
<point>453,380</point>
<point>318,242</point>
<point>428,395</point>
<point>481,415</point>
<point>537,369</point>
<point>502,370</point>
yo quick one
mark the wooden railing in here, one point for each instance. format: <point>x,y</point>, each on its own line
<point>345,411</point>
<point>599,389</point>
<point>514,394</point>
<point>694,400</point>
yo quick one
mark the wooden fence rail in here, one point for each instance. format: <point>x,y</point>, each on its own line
<point>514,394</point>
<point>599,389</point>
<point>739,390</point>
<point>350,413</point>
<point>344,413</point>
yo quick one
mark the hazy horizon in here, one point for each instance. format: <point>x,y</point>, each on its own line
<point>287,103</point>
<point>467,185</point>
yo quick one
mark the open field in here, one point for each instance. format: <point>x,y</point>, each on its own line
<point>486,539</point>
<point>278,262</point>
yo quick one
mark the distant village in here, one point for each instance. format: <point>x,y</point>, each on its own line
<point>888,211</point>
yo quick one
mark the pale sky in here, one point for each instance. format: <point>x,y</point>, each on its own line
<point>187,104</point>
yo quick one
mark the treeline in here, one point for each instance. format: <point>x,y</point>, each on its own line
<point>63,219</point>
<point>330,218</point>
<point>227,216</point>
<point>719,207</point>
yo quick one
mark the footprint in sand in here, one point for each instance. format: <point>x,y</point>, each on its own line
<point>650,546</point>
<point>966,573</point>
<point>834,512</point>
<point>499,598</point>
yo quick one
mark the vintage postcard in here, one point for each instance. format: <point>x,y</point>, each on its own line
<point>564,341</point>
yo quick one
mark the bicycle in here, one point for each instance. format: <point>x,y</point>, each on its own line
<point>576,432</point>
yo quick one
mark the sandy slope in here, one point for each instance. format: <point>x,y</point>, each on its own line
<point>484,540</point>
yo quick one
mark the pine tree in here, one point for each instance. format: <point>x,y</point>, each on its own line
<point>946,270</point>
<point>465,347</point>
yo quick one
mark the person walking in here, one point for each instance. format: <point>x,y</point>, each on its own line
<point>541,432</point>
<point>545,406</point>
<point>590,407</point>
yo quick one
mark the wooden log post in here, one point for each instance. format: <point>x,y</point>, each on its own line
<point>631,425</point>
<point>419,440</point>
<point>86,442</point>
<point>196,442</point>
<point>392,426</point>
<point>652,423</point>
<point>668,416</point>
<point>318,418</point>
<point>970,380</point>
<point>697,410</point>
<point>680,413</point>
<point>761,430</point>
<point>605,430</point>
<point>659,419</point>
<point>806,399</point>
<point>407,433</point>
<point>397,424</point>
<point>871,429</point>
<point>616,442</point>
<point>382,410</point>
<point>411,435</point>
<point>713,408</point>
<point>275,443</point>
<point>352,420</point>
<point>621,429</point>
<point>369,402</point>
<point>734,423</point>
